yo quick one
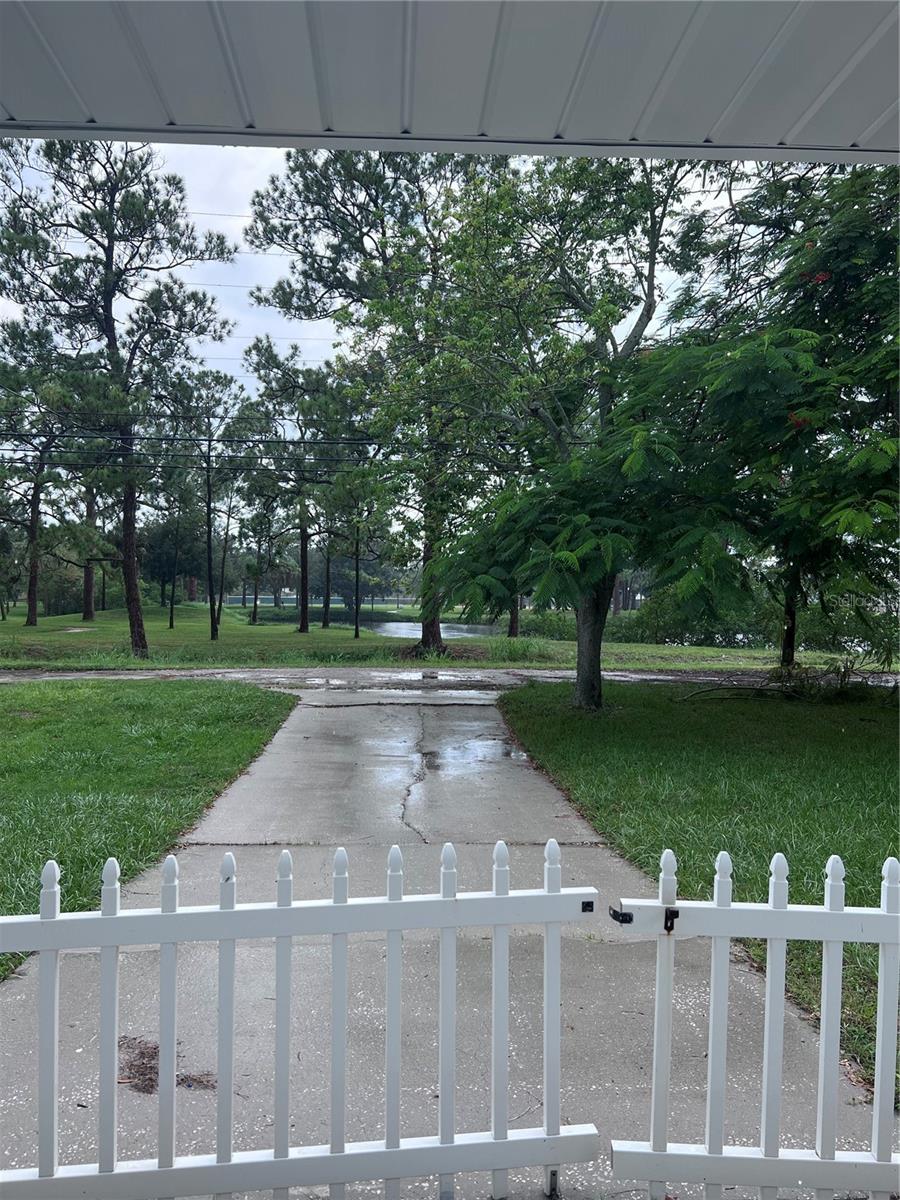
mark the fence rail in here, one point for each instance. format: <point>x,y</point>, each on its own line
<point>768,1166</point>
<point>226,1170</point>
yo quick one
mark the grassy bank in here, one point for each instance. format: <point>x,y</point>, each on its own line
<point>750,776</point>
<point>91,769</point>
<point>66,642</point>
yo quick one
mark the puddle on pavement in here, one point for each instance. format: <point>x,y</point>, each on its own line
<point>458,758</point>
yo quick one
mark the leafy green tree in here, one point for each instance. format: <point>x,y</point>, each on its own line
<point>785,365</point>
<point>556,283</point>
<point>91,236</point>
<point>205,409</point>
<point>41,395</point>
<point>367,237</point>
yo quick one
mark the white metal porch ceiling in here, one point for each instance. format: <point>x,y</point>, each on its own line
<point>807,80</point>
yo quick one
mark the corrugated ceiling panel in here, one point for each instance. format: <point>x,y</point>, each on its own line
<point>540,51</point>
<point>702,87</point>
<point>634,49</point>
<point>31,88</point>
<point>454,45</point>
<point>806,62</point>
<point>846,113</point>
<point>882,132</point>
<point>185,55</point>
<point>276,65</point>
<point>362,54</point>
<point>112,84</point>
<point>718,77</point>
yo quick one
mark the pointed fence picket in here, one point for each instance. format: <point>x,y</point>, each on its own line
<point>823,1169</point>
<point>228,1170</point>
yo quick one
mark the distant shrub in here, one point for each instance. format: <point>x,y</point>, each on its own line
<point>555,624</point>
<point>505,649</point>
<point>752,624</point>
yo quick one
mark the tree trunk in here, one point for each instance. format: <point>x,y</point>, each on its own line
<point>356,596</point>
<point>254,616</point>
<point>590,616</point>
<point>304,582</point>
<point>513,628</point>
<point>192,587</point>
<point>224,559</point>
<point>276,596</point>
<point>432,642</point>
<point>210,576</point>
<point>130,571</point>
<point>789,626</point>
<point>34,553</point>
<point>174,569</point>
<point>87,584</point>
<point>326,596</point>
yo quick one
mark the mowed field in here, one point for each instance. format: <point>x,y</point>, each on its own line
<point>66,642</point>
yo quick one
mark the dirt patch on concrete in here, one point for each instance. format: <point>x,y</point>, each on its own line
<point>139,1068</point>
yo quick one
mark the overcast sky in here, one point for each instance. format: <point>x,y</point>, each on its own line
<point>220,181</point>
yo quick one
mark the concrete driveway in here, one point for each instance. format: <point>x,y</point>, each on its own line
<point>365,768</point>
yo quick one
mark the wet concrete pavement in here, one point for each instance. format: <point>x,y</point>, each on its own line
<point>415,766</point>
<point>388,678</point>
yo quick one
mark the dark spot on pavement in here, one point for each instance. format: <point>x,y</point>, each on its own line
<point>139,1068</point>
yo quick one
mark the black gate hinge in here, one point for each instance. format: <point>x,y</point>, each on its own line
<point>617,914</point>
<point>669,919</point>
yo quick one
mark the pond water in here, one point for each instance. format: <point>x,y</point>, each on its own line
<point>411,629</point>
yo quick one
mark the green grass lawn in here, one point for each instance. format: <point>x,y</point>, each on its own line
<point>91,769</point>
<point>66,642</point>
<point>750,776</point>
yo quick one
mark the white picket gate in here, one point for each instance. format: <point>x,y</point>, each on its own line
<point>283,1166</point>
<point>768,1166</point>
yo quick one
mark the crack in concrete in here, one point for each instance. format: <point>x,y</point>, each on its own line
<point>400,703</point>
<point>417,777</point>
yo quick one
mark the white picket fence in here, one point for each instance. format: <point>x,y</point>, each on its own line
<point>768,1166</point>
<point>282,1166</point>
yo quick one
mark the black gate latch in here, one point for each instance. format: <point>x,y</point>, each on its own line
<point>669,919</point>
<point>624,918</point>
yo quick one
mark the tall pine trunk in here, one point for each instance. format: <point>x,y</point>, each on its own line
<point>326,591</point>
<point>87,583</point>
<point>34,550</point>
<point>224,560</point>
<point>174,570</point>
<point>254,615</point>
<point>210,576</point>
<point>590,617</point>
<point>304,582</point>
<point>513,627</point>
<point>356,595</point>
<point>130,575</point>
